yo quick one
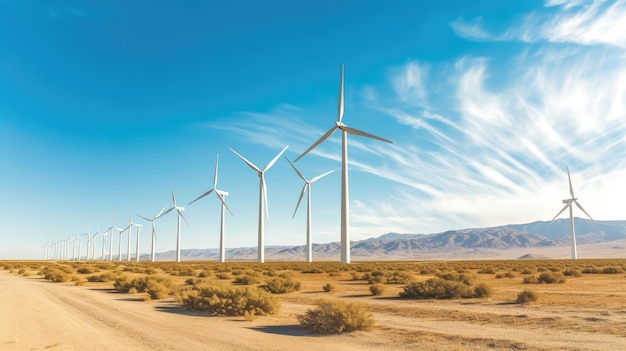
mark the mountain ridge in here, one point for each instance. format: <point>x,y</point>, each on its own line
<point>473,242</point>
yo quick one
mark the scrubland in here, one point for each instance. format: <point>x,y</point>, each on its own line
<point>435,305</point>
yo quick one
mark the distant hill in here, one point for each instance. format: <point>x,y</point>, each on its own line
<point>474,242</point>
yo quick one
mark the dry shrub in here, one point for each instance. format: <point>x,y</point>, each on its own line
<point>531,279</point>
<point>56,275</point>
<point>102,278</point>
<point>230,301</point>
<point>377,289</point>
<point>328,287</point>
<point>78,280</point>
<point>281,285</point>
<point>156,287</point>
<point>333,317</point>
<point>248,278</point>
<point>572,273</point>
<point>439,288</point>
<point>123,283</point>
<point>224,275</point>
<point>551,278</point>
<point>527,296</point>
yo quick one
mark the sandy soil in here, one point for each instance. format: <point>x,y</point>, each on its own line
<point>36,314</point>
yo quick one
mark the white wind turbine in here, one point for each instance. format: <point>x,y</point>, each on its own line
<point>152,220</point>
<point>179,210</point>
<point>131,224</point>
<point>109,231</point>
<point>568,204</point>
<point>307,188</point>
<point>221,195</point>
<point>111,239</point>
<point>262,197</point>
<point>345,130</point>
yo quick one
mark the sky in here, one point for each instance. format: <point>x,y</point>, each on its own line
<point>104,106</point>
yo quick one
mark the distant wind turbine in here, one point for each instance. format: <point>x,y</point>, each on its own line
<point>152,220</point>
<point>568,204</point>
<point>109,231</point>
<point>345,130</point>
<point>131,224</point>
<point>179,210</point>
<point>262,197</point>
<point>307,188</point>
<point>221,195</point>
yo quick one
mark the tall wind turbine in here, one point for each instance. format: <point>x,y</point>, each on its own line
<point>221,195</point>
<point>109,231</point>
<point>152,220</point>
<point>131,224</point>
<point>179,210</point>
<point>568,204</point>
<point>345,130</point>
<point>307,188</point>
<point>262,197</point>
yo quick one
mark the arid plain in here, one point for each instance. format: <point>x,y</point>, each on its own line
<point>584,309</point>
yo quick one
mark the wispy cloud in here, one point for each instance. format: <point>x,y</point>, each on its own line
<point>579,22</point>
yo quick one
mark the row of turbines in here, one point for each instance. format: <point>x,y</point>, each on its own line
<point>60,249</point>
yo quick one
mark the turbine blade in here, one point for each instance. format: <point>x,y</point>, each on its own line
<point>250,164</point>
<point>299,200</point>
<point>582,209</point>
<point>269,165</point>
<point>571,190</point>
<point>217,161</point>
<point>201,196</point>
<point>563,209</point>
<point>362,133</point>
<point>319,141</point>
<point>160,212</point>
<point>340,104</point>
<point>320,176</point>
<point>164,213</point>
<point>173,196</point>
<point>146,218</point>
<point>180,213</point>
<point>224,203</point>
<point>295,169</point>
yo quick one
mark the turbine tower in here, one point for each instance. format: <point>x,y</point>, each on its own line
<point>262,197</point>
<point>120,231</point>
<point>345,130</point>
<point>307,188</point>
<point>152,220</point>
<point>179,210</point>
<point>109,231</point>
<point>221,195</point>
<point>131,224</point>
<point>568,204</point>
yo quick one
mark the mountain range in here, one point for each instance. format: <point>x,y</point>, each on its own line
<point>537,239</point>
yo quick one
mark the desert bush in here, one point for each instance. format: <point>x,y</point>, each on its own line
<point>204,274</point>
<point>489,270</point>
<point>328,287</point>
<point>56,275</point>
<point>281,285</point>
<point>527,271</point>
<point>482,290</point>
<point>123,283</point>
<point>612,270</point>
<point>193,281</point>
<point>375,277</point>
<point>531,279</point>
<point>439,288</point>
<point>377,289</point>
<point>466,279</point>
<point>551,278</point>
<point>334,274</point>
<point>248,278</point>
<point>102,278</point>
<point>224,275</point>
<point>356,276</point>
<point>78,280</point>
<point>509,275</point>
<point>398,278</point>
<point>527,296</point>
<point>337,317</point>
<point>85,270</point>
<point>229,301</point>
<point>157,287</point>
<point>499,276</point>
<point>572,273</point>
<point>21,271</point>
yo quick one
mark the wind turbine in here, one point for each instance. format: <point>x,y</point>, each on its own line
<point>221,195</point>
<point>262,197</point>
<point>152,220</point>
<point>131,224</point>
<point>568,204</point>
<point>307,188</point>
<point>109,231</point>
<point>113,226</point>
<point>179,210</point>
<point>345,130</point>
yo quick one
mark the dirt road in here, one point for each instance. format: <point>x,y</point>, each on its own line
<point>36,314</point>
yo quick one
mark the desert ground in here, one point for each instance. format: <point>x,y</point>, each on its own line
<point>587,311</point>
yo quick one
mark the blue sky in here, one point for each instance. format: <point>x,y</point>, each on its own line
<point>104,106</point>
